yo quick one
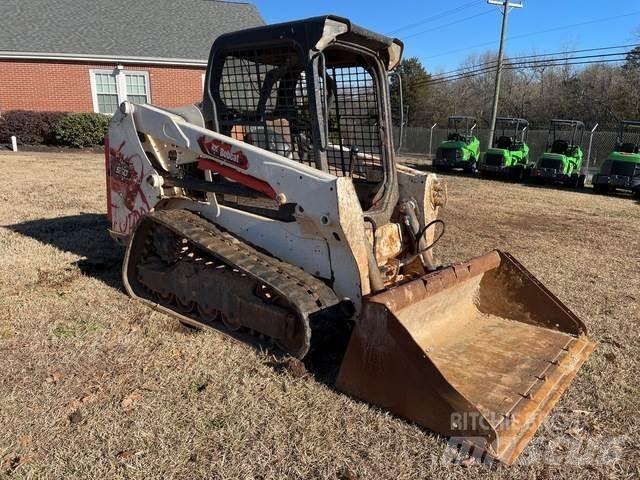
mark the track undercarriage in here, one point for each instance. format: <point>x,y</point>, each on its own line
<point>186,266</point>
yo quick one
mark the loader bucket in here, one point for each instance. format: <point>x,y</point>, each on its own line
<point>480,351</point>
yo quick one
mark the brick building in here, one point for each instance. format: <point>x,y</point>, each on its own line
<point>80,56</point>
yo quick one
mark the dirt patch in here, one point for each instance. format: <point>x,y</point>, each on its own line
<point>94,384</point>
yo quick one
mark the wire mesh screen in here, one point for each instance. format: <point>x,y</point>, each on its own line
<point>262,98</point>
<point>355,145</point>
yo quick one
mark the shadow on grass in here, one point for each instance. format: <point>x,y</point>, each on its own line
<point>84,235</point>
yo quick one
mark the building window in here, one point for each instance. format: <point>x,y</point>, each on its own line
<point>112,87</point>
<point>137,87</point>
<point>106,92</point>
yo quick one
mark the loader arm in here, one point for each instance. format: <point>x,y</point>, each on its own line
<point>324,208</point>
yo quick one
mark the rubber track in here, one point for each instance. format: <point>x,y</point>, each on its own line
<point>303,292</point>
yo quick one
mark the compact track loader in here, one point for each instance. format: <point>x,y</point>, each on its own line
<point>275,212</point>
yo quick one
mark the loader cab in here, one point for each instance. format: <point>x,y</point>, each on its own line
<point>314,91</point>
<point>565,137</point>
<point>511,133</point>
<point>460,128</point>
<point>628,140</point>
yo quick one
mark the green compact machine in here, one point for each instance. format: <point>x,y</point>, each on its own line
<point>509,152</point>
<point>562,160</point>
<point>621,169</point>
<point>461,149</point>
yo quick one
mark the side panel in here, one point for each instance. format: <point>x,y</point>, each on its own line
<point>284,240</point>
<point>335,250</point>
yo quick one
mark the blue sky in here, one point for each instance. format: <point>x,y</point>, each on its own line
<point>443,33</point>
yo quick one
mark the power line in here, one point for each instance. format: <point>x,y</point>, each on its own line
<point>631,45</point>
<point>538,32</point>
<point>544,60</point>
<point>535,56</point>
<point>444,14</point>
<point>466,69</point>
<point>478,71</point>
<point>531,63</point>
<point>518,65</point>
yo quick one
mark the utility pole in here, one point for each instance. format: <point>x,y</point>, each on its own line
<point>506,8</point>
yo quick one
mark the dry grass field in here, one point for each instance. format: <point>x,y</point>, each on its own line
<point>95,385</point>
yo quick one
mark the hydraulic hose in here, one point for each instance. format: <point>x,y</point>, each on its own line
<point>375,277</point>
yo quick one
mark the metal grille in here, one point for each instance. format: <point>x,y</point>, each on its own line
<point>354,146</point>
<point>623,168</point>
<point>493,159</point>
<point>449,154</point>
<point>550,163</point>
<point>262,93</point>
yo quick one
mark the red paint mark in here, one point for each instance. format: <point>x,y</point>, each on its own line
<point>223,151</point>
<point>124,179</point>
<point>130,221</point>
<point>247,180</point>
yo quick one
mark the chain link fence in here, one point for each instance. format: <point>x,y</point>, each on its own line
<point>421,143</point>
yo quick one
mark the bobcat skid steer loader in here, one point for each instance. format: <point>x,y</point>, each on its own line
<point>274,211</point>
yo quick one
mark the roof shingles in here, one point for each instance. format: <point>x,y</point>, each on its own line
<point>177,29</point>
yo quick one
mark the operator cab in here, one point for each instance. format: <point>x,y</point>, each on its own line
<point>512,133</point>
<point>627,148</point>
<point>460,128</point>
<point>504,142</point>
<point>565,136</point>
<point>628,140</point>
<point>560,147</point>
<point>314,91</point>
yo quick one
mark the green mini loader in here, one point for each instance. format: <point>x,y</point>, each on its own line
<point>562,160</point>
<point>621,170</point>
<point>509,153</point>
<point>461,149</point>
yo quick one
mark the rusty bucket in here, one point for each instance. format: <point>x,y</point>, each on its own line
<point>479,350</point>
